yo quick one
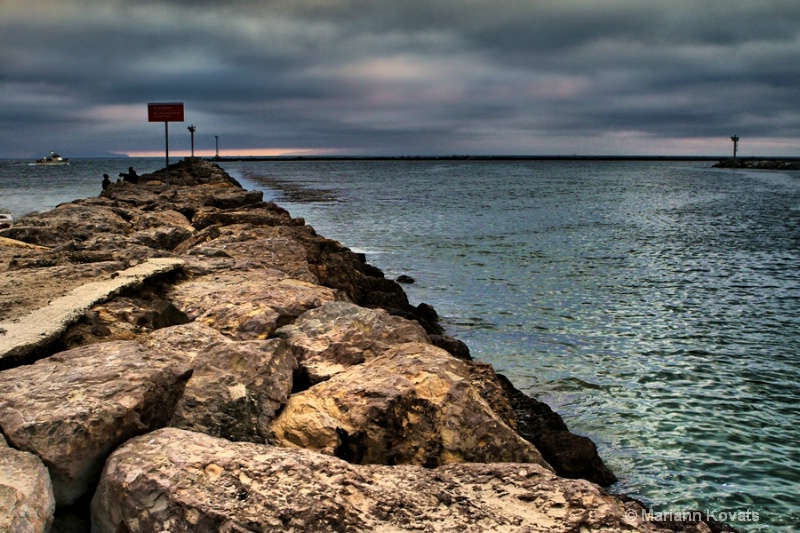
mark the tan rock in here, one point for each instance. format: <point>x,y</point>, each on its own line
<point>412,405</point>
<point>175,480</point>
<point>72,409</point>
<point>182,343</point>
<point>248,307</point>
<point>65,223</point>
<point>262,216</point>
<point>249,244</point>
<point>337,335</point>
<point>236,389</point>
<point>26,494</point>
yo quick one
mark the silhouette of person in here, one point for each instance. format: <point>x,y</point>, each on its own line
<point>106,181</point>
<point>131,176</point>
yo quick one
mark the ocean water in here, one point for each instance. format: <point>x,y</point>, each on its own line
<point>655,306</point>
<point>25,187</point>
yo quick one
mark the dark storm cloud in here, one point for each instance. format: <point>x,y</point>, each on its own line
<point>435,76</point>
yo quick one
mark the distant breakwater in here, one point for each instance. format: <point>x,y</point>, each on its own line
<point>760,164</point>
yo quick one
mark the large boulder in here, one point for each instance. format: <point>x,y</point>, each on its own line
<point>175,480</point>
<point>183,343</point>
<point>65,223</point>
<point>236,389</point>
<point>74,408</point>
<point>338,335</point>
<point>248,307</point>
<point>254,246</point>
<point>267,215</point>
<point>26,494</point>
<point>415,404</point>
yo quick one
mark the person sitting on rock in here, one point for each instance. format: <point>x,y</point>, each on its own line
<point>106,181</point>
<point>131,176</point>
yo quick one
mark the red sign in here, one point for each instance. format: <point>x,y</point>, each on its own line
<point>165,112</point>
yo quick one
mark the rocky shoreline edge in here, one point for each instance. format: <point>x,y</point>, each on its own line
<point>188,357</point>
<point>759,164</point>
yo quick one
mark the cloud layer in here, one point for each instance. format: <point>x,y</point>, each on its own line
<point>411,77</point>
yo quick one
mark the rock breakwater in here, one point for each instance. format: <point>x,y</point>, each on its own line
<point>760,164</point>
<point>228,369</point>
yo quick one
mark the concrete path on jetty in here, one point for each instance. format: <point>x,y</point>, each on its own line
<point>21,337</point>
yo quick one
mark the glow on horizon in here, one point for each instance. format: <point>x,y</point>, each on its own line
<point>244,152</point>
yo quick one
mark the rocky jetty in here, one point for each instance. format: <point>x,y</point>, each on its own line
<point>760,164</point>
<point>188,357</point>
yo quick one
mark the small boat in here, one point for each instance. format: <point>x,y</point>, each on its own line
<point>52,159</point>
<point>6,220</point>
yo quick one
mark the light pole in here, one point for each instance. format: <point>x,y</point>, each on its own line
<point>735,140</point>
<point>216,143</point>
<point>192,130</point>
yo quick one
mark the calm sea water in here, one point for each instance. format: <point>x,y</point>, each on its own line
<point>656,306</point>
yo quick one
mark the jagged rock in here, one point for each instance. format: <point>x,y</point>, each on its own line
<point>163,237</point>
<point>73,408</point>
<point>182,343</point>
<point>457,348</point>
<point>266,247</point>
<point>247,307</point>
<point>337,335</point>
<point>174,480</point>
<point>489,385</point>
<point>65,223</point>
<point>760,164</point>
<point>262,216</point>
<point>128,194</point>
<point>27,504</point>
<point>236,198</point>
<point>412,405</point>
<point>236,389</point>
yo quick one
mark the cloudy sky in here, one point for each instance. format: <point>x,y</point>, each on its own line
<point>402,77</point>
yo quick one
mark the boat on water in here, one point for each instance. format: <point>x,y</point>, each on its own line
<point>52,159</point>
<point>6,220</point>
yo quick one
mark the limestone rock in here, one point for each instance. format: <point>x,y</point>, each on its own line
<point>27,504</point>
<point>247,307</point>
<point>265,247</point>
<point>412,405</point>
<point>175,480</point>
<point>182,343</point>
<point>65,223</point>
<point>262,216</point>
<point>72,409</point>
<point>236,389</point>
<point>338,335</point>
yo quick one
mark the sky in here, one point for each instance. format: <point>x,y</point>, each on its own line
<point>403,77</point>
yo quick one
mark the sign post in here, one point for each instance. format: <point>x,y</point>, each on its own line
<point>165,112</point>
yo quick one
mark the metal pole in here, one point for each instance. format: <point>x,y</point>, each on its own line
<point>192,129</point>
<point>166,137</point>
<point>216,143</point>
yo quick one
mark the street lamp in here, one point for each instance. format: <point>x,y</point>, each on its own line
<point>192,130</point>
